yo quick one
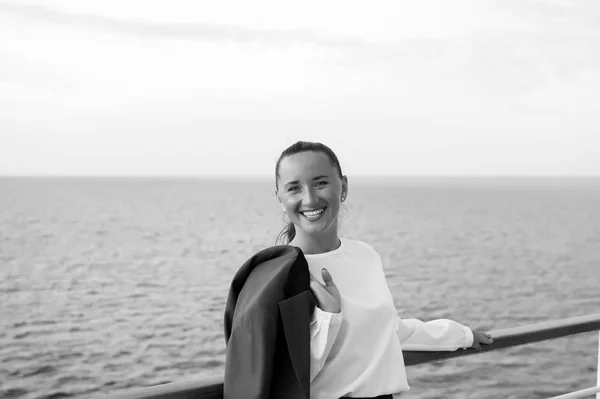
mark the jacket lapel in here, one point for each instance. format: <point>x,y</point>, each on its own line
<point>295,317</point>
<point>296,312</point>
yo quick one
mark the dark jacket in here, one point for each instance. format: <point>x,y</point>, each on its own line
<point>267,327</point>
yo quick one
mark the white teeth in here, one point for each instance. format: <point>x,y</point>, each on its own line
<point>313,213</point>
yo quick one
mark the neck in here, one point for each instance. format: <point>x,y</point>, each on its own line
<point>311,244</point>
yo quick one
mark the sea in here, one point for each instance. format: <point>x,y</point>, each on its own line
<point>109,284</point>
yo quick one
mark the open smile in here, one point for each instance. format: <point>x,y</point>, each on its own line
<point>313,214</point>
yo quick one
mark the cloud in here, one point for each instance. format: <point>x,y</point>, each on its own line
<point>164,79</point>
<point>197,31</point>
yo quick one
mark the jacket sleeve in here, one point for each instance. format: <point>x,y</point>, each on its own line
<point>324,328</point>
<point>249,356</point>
<point>435,335</point>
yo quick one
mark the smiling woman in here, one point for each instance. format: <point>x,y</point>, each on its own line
<point>315,318</point>
<point>312,190</point>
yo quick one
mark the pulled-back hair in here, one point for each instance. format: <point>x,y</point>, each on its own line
<point>289,231</point>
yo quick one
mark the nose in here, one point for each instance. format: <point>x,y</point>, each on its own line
<point>310,198</point>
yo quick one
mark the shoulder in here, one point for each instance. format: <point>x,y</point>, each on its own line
<point>360,247</point>
<point>276,251</point>
<point>280,254</point>
<point>354,243</point>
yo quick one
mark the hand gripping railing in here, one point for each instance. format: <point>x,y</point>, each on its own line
<point>212,387</point>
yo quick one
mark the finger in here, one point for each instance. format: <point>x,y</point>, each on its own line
<point>323,297</point>
<point>319,290</point>
<point>327,277</point>
<point>486,338</point>
<point>315,280</point>
<point>316,286</point>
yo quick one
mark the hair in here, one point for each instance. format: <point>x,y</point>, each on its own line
<point>289,231</point>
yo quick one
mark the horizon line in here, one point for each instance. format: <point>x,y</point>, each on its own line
<point>265,177</point>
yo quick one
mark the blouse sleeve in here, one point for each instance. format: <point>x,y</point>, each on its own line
<point>435,335</point>
<point>324,328</point>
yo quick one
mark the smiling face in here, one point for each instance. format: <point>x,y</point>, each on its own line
<point>311,190</point>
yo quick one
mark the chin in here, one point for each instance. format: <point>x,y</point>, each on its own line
<point>320,229</point>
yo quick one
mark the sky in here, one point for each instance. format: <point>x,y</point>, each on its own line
<point>191,87</point>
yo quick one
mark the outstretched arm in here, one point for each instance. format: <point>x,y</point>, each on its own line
<point>438,335</point>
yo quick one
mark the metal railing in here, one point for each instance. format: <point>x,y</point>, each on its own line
<point>212,387</point>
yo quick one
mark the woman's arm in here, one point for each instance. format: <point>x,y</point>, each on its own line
<point>435,335</point>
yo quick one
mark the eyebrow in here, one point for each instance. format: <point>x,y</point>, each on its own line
<point>314,178</point>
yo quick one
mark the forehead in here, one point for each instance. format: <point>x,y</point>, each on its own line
<point>305,165</point>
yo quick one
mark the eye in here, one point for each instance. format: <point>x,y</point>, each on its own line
<point>293,189</point>
<point>321,184</point>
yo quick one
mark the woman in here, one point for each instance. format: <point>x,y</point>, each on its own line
<point>357,337</point>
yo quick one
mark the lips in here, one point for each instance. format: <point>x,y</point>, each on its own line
<point>313,214</point>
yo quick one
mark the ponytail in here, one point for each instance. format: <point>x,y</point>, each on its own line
<point>291,232</point>
<point>288,232</point>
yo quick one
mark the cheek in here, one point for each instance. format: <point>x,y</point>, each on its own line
<point>335,210</point>
<point>335,202</point>
<point>334,197</point>
<point>289,203</point>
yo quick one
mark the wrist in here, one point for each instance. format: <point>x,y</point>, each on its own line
<point>330,310</point>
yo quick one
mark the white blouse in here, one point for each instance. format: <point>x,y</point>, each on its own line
<point>358,352</point>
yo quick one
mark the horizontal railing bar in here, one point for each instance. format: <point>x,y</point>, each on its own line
<point>515,336</point>
<point>212,387</point>
<point>199,388</point>
<point>584,393</point>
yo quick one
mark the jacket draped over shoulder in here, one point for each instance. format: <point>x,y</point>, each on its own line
<point>267,322</point>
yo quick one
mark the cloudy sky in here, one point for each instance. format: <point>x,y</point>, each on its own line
<point>189,87</point>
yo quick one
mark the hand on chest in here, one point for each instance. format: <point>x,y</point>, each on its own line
<point>361,288</point>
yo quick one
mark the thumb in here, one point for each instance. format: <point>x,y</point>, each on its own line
<point>327,277</point>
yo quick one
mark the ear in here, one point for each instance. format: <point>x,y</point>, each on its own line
<point>278,197</point>
<point>344,187</point>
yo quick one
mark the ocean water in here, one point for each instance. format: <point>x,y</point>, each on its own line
<point>108,284</point>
